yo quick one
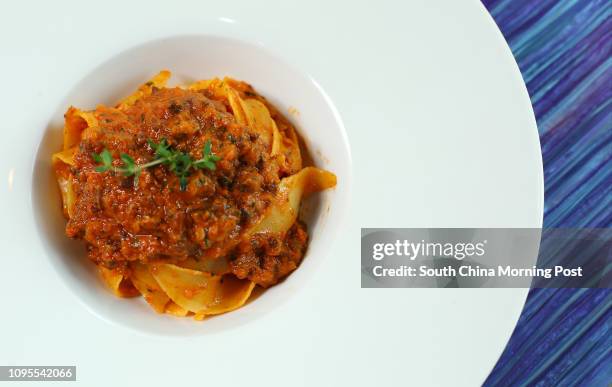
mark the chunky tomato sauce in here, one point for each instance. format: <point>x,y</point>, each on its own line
<point>155,220</point>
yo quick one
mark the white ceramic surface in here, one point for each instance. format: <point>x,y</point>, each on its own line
<point>441,132</point>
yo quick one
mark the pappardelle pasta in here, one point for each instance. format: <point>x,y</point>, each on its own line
<point>188,196</point>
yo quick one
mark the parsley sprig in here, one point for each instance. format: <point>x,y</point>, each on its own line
<point>176,161</point>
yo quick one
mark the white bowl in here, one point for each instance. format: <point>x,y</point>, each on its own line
<point>191,58</point>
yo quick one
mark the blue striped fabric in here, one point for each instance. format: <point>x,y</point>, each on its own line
<point>563,49</point>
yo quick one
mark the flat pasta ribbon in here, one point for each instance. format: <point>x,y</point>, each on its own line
<point>200,292</point>
<point>255,113</point>
<point>283,212</point>
<point>76,121</point>
<point>158,81</point>
<point>147,286</point>
<point>117,283</point>
<point>175,310</point>
<point>68,196</point>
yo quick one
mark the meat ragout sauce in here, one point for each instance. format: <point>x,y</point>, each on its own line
<point>155,220</point>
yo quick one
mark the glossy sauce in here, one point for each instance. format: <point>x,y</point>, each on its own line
<point>156,221</point>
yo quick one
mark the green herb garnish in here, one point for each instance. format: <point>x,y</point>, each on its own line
<point>178,162</point>
<point>208,160</point>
